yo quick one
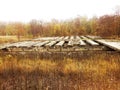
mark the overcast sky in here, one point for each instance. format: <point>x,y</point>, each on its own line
<point>26,10</point>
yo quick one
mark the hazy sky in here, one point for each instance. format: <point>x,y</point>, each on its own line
<point>26,10</point>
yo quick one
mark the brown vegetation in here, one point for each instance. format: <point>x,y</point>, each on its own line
<point>107,26</point>
<point>95,73</point>
<point>10,39</point>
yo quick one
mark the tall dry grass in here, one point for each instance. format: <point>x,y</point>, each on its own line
<point>98,72</point>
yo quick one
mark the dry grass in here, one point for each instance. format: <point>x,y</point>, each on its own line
<point>9,39</point>
<point>96,73</point>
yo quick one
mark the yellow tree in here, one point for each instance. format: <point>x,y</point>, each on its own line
<point>19,30</point>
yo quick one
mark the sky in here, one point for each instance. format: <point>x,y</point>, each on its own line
<point>46,10</point>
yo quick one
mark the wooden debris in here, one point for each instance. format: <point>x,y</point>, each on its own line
<point>50,44</point>
<point>60,38</point>
<point>68,43</point>
<point>61,43</point>
<point>110,44</point>
<point>66,38</point>
<point>93,37</point>
<point>41,44</point>
<point>91,42</point>
<point>82,43</point>
<point>72,37</point>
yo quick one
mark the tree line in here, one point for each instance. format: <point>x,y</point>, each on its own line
<point>107,26</point>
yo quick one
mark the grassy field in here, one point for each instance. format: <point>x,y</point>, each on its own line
<point>9,39</point>
<point>100,72</point>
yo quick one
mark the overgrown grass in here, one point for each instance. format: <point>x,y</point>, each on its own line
<point>99,72</point>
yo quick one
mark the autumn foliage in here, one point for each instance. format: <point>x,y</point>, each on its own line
<point>107,25</point>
